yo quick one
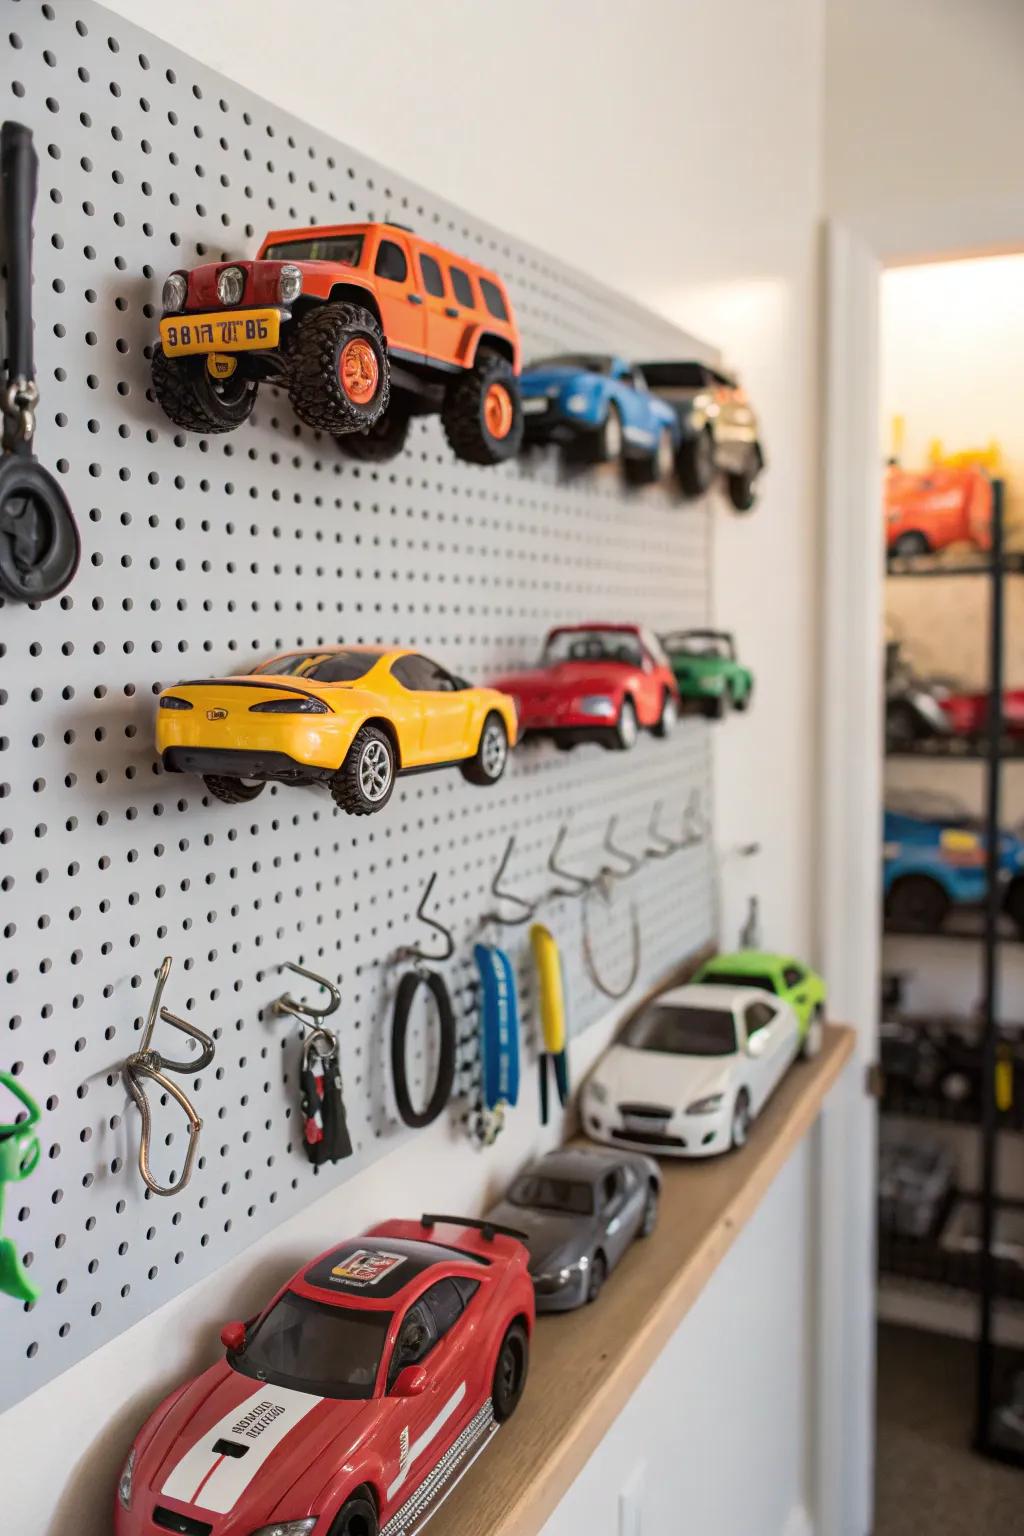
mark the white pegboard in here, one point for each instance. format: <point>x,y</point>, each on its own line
<point>201,555</point>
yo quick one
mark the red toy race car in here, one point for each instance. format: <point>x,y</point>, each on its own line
<point>967,713</point>
<point>364,325</point>
<point>353,1402</point>
<point>596,682</point>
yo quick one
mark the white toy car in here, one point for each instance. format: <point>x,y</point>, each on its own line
<point>691,1070</point>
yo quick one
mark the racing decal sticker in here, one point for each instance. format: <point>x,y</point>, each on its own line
<point>428,1436</point>
<point>367,1266</point>
<point>403,1449</point>
<point>216,1472</point>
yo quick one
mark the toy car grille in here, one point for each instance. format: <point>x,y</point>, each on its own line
<point>650,1138</point>
<point>646,1111</point>
<point>168,1520</point>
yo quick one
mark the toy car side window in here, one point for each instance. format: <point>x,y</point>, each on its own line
<point>612,1187</point>
<point>446,1304</point>
<point>416,1338</point>
<point>414,672</point>
<point>391,262</point>
<point>466,1288</point>
<point>462,287</point>
<point>757,1016</point>
<point>792,975</point>
<point>433,277</point>
<point>493,299</point>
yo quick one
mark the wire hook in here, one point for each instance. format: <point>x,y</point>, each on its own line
<point>589,958</point>
<point>526,908</point>
<point>306,1012</point>
<point>629,860</point>
<point>580,884</point>
<point>145,1062</point>
<point>660,846</point>
<point>416,951</point>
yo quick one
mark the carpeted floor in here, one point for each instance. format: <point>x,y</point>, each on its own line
<point>928,1479</point>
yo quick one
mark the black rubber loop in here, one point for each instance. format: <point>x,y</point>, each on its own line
<point>442,1092</point>
<point>39,542</point>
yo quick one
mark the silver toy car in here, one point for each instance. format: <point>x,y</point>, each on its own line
<point>718,428</point>
<point>580,1209</point>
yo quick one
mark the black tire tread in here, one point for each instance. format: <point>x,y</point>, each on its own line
<point>176,394</point>
<point>314,388</point>
<point>462,413</point>
<point>344,785</point>
<point>230,790</point>
<point>383,441</point>
<point>686,466</point>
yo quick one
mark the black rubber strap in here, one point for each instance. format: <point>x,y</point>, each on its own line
<point>407,989</point>
<point>18,172</point>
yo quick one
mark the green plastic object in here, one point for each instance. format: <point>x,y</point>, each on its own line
<point>19,1154</point>
<point>707,670</point>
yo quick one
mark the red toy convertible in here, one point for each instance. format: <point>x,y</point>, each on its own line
<point>353,1402</point>
<point>596,682</point>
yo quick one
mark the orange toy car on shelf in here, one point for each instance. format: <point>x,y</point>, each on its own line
<point>365,326</point>
<point>929,509</point>
<point>348,716</point>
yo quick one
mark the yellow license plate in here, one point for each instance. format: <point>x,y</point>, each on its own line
<point>245,330</point>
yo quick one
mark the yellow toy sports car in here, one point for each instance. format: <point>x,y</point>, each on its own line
<point>350,716</point>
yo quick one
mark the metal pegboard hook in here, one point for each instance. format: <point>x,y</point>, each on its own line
<point>695,827</point>
<point>526,908</point>
<point>659,846</point>
<point>416,951</point>
<point>579,883</point>
<point>306,1012</point>
<point>590,959</point>
<point>145,1062</point>
<point>629,863</point>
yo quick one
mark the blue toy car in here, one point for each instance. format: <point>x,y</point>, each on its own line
<point>600,409</point>
<point>934,858</point>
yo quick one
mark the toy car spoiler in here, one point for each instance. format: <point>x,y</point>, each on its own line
<point>489,1230</point>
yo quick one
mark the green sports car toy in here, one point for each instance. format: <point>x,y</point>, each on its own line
<point>707,671</point>
<point>781,975</point>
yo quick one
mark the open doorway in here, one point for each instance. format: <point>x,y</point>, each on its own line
<point>951,956</point>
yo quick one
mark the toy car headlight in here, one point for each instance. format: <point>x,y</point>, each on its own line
<point>288,1528</point>
<point>576,403</point>
<point>707,1106</point>
<point>175,291</point>
<point>171,701</point>
<point>290,707</point>
<point>598,704</point>
<point>124,1482</point>
<point>230,285</point>
<point>289,282</point>
<point>598,1092</point>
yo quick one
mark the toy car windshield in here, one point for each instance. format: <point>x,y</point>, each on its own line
<point>763,983</point>
<point>587,363</point>
<point>323,666</point>
<point>682,1031</point>
<point>546,1194</point>
<point>317,1347</point>
<point>348,249</point>
<point>592,645</point>
<point>931,805</point>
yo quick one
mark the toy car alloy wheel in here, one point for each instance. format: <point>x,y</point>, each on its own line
<point>358,370</point>
<point>375,770</point>
<point>494,749</point>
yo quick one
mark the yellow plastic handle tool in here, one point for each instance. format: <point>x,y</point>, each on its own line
<point>549,985</point>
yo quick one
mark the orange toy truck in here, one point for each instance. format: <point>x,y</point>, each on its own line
<point>365,326</point>
<point>929,509</point>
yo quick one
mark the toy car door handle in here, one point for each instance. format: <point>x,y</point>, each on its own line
<point>451,311</point>
<point>414,298</point>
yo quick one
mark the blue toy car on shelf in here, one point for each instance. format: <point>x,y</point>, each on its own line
<point>600,409</point>
<point>934,858</point>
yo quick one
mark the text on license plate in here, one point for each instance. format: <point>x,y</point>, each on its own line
<point>243,331</point>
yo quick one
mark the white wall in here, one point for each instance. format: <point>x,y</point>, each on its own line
<point>672,148</point>
<point>924,123</point>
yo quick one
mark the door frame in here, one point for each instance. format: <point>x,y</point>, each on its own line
<point>848,875</point>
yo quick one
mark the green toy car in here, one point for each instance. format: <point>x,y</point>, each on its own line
<point>781,975</point>
<point>707,671</point>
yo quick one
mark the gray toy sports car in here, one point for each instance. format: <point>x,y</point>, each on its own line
<point>580,1209</point>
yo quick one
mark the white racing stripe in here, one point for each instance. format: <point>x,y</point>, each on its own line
<point>214,1480</point>
<point>431,1433</point>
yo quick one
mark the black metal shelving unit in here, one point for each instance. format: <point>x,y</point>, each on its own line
<point>983,1272</point>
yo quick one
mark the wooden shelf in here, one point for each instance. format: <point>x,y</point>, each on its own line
<point>586,1364</point>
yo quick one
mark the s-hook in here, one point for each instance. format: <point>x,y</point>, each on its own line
<point>579,883</point>
<point>306,1013</point>
<point>629,862</point>
<point>145,1062</point>
<point>526,908</point>
<point>416,951</point>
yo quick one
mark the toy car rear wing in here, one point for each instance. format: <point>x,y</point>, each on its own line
<point>488,1229</point>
